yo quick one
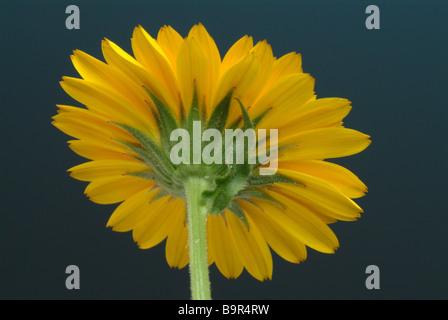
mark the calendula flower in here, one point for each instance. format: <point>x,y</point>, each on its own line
<point>147,124</point>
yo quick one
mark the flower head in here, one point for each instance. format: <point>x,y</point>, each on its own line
<point>132,106</point>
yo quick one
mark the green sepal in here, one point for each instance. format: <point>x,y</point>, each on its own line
<point>235,123</point>
<point>195,111</point>
<point>152,176</point>
<point>227,187</point>
<point>143,155</point>
<point>263,180</point>
<point>208,196</point>
<point>162,193</point>
<point>246,194</point>
<point>219,116</point>
<point>150,151</point>
<point>148,174</point>
<point>247,125</point>
<point>239,212</point>
<point>165,122</point>
<point>258,118</point>
<point>182,114</point>
<point>247,120</point>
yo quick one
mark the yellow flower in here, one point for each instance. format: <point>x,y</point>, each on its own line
<point>132,104</point>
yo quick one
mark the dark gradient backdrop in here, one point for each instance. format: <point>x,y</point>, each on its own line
<point>396,78</point>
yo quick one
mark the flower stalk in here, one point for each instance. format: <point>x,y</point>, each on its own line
<point>197,231</point>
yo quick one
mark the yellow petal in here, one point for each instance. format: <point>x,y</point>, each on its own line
<point>84,124</point>
<point>323,143</point>
<point>330,115</point>
<point>334,174</point>
<point>157,224</point>
<point>176,249</point>
<point>277,230</point>
<point>320,196</point>
<point>115,189</point>
<point>102,169</point>
<point>107,102</point>
<point>288,64</point>
<point>240,77</point>
<point>322,103</point>
<point>263,52</point>
<point>192,70</point>
<point>96,71</point>
<point>201,35</point>
<point>170,41</point>
<point>97,151</point>
<point>252,248</point>
<point>221,247</point>
<point>135,72</point>
<point>238,51</point>
<point>131,212</point>
<point>148,52</point>
<point>301,222</point>
<point>284,97</point>
<point>77,130</point>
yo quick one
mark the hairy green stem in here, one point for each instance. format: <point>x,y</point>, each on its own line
<point>197,233</point>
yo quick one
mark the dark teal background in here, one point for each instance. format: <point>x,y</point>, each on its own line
<point>396,78</point>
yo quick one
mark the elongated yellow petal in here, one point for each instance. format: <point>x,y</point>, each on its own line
<point>320,195</point>
<point>240,77</point>
<point>277,230</point>
<point>288,64</point>
<point>148,52</point>
<point>170,41</point>
<point>284,97</point>
<point>115,189</point>
<point>323,143</point>
<point>252,248</point>
<point>313,114</point>
<point>334,174</point>
<point>84,124</point>
<point>192,70</point>
<point>156,226</point>
<point>107,102</point>
<point>129,214</point>
<point>96,71</point>
<point>97,151</point>
<point>222,248</point>
<point>131,68</point>
<point>201,35</point>
<point>237,52</point>
<point>302,223</point>
<point>78,130</point>
<point>263,53</point>
<point>101,169</point>
<point>322,104</point>
<point>176,249</point>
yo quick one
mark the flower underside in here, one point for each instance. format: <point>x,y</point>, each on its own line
<point>226,182</point>
<point>136,112</point>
